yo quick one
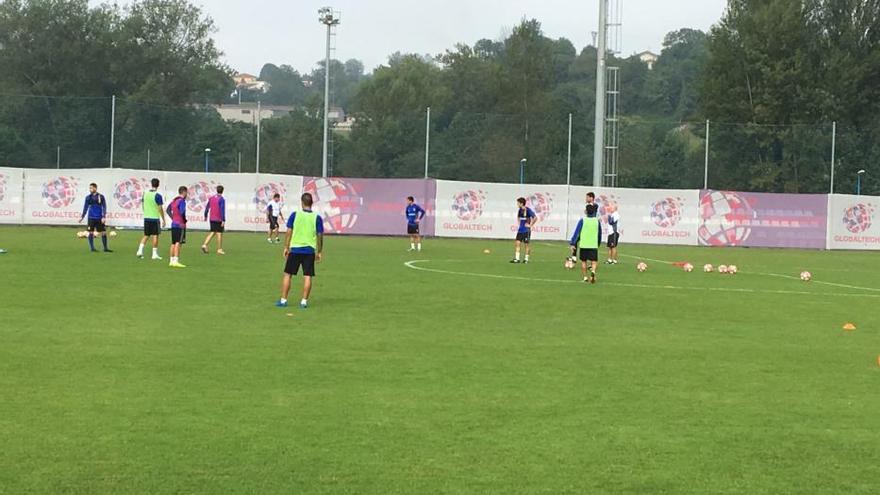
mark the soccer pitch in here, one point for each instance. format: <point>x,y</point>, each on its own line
<point>445,371</point>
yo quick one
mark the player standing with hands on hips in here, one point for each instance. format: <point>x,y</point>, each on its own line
<point>96,206</point>
<point>414,216</point>
<point>613,237</point>
<point>302,249</point>
<point>526,219</point>
<point>216,212</point>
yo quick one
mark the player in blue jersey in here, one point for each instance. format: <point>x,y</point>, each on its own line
<point>96,208</point>
<point>414,216</point>
<point>526,219</point>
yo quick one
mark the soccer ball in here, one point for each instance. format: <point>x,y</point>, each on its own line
<point>688,267</point>
<point>806,276</point>
<point>642,266</point>
<point>112,233</point>
<point>732,269</point>
<point>708,268</point>
<point>569,263</point>
<point>722,268</point>
<point>81,234</point>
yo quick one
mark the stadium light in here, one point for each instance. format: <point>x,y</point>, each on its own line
<point>207,150</point>
<point>859,182</point>
<point>329,18</point>
<point>522,170</point>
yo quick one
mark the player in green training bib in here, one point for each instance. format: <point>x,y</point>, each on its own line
<point>303,247</point>
<point>153,214</point>
<point>586,238</point>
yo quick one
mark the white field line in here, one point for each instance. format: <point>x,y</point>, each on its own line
<point>414,265</point>
<point>777,275</point>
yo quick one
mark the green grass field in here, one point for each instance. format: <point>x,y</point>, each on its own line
<point>466,375</point>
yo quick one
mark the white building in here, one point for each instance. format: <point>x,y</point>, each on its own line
<point>247,112</point>
<point>648,58</point>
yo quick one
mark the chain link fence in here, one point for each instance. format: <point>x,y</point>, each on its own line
<point>77,132</point>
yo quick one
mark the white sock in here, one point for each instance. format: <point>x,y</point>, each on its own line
<point>140,250</point>
<point>283,300</point>
<point>304,301</point>
<point>527,257</point>
<point>420,246</point>
<point>412,245</point>
<point>517,256</point>
<point>155,251</point>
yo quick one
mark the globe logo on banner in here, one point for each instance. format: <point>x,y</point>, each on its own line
<point>129,193</point>
<point>197,196</point>
<point>857,218</point>
<point>337,201</point>
<point>264,193</point>
<point>541,204</point>
<point>726,219</point>
<point>3,180</point>
<point>468,205</point>
<point>666,213</point>
<point>59,192</point>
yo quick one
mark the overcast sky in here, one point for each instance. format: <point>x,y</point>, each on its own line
<point>254,32</point>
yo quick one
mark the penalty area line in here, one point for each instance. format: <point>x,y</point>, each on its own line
<point>414,265</point>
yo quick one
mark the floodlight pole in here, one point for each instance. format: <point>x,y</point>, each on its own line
<point>328,18</point>
<point>259,131</point>
<point>599,136</point>
<point>706,160</point>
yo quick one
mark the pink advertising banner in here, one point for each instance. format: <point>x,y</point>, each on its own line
<point>369,206</point>
<point>762,219</point>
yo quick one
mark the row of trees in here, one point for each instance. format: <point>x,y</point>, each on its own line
<point>771,76</point>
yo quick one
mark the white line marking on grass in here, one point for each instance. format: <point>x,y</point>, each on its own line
<point>414,265</point>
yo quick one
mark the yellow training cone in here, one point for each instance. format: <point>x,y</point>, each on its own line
<point>849,326</point>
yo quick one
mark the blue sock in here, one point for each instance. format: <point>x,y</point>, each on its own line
<point>91,241</point>
<point>104,241</point>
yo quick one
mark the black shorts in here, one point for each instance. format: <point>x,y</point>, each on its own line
<point>273,223</point>
<point>524,237</point>
<point>151,227</point>
<point>96,225</point>
<point>306,261</point>
<point>412,229</point>
<point>589,255</point>
<point>217,227</point>
<point>613,239</point>
<point>177,234</point>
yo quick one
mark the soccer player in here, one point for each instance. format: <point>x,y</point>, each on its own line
<point>526,219</point>
<point>153,214</point>
<point>216,209</point>
<point>591,199</point>
<point>414,216</point>
<point>96,207</point>
<point>302,248</point>
<point>177,212</point>
<point>273,212</point>
<point>586,238</point>
<point>613,237</point>
<point>3,251</point>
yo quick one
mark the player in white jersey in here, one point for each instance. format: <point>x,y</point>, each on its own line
<point>273,212</point>
<point>613,237</point>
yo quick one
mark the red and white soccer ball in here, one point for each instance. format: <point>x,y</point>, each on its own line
<point>806,276</point>
<point>708,268</point>
<point>732,269</point>
<point>722,268</point>
<point>688,267</point>
<point>569,264</point>
<point>642,266</point>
